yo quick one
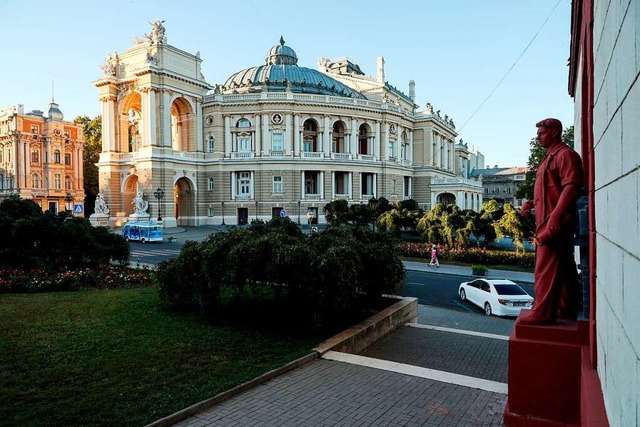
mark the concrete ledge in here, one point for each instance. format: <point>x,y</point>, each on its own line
<point>361,336</point>
<point>208,403</point>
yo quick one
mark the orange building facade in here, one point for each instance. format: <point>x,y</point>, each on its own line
<point>41,158</point>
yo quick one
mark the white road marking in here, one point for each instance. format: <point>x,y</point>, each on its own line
<point>417,371</point>
<point>460,331</point>
<point>416,284</point>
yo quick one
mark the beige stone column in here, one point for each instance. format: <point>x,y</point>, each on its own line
<point>165,124</point>
<point>227,137</point>
<point>257,136</point>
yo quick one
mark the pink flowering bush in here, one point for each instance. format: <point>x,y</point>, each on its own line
<point>468,255</point>
<point>14,280</point>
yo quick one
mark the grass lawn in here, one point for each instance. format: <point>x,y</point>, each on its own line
<point>115,357</point>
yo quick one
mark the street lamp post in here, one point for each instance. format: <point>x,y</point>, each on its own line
<point>299,211</point>
<point>222,205</point>
<point>159,194</point>
<point>256,210</point>
<point>67,201</point>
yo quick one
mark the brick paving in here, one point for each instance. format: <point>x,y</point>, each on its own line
<point>326,393</point>
<point>429,315</point>
<point>472,356</point>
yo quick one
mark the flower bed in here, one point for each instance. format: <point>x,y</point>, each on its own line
<point>468,255</point>
<point>14,280</point>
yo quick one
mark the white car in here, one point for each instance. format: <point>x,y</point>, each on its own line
<point>496,296</point>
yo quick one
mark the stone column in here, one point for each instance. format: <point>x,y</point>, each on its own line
<point>108,124</point>
<point>233,186</point>
<point>258,137</point>
<point>149,117</point>
<point>326,140</point>
<point>165,124</point>
<point>199,129</point>
<point>376,142</point>
<point>266,135</point>
<point>252,188</point>
<point>296,135</point>
<point>227,137</point>
<point>410,148</point>
<point>288,149</point>
<point>385,142</point>
<point>333,184</point>
<point>353,149</point>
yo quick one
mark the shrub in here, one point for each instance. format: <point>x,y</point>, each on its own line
<point>325,274</point>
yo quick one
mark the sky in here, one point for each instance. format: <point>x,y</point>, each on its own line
<point>457,51</point>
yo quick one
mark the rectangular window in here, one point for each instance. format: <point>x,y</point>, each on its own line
<point>244,145</point>
<point>35,129</point>
<point>407,186</point>
<point>210,144</point>
<point>67,159</point>
<point>66,134</point>
<point>210,212</point>
<point>244,184</point>
<point>307,144</point>
<point>210,184</point>
<point>276,142</point>
<point>57,181</point>
<point>277,185</point>
<point>486,191</point>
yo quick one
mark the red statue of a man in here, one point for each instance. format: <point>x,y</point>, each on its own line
<point>558,185</point>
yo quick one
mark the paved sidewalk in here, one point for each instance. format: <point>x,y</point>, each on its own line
<point>460,270</point>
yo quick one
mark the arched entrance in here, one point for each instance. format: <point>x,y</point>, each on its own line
<point>447,199</point>
<point>184,201</point>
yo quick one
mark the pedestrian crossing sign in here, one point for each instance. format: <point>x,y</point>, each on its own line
<point>78,209</point>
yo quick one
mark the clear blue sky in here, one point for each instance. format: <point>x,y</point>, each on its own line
<point>455,50</point>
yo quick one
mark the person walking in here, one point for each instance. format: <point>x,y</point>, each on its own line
<point>434,256</point>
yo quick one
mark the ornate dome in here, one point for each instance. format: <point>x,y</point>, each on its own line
<point>281,73</point>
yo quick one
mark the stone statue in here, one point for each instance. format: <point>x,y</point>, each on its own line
<point>157,33</point>
<point>108,68</point>
<point>429,109</point>
<point>140,205</point>
<point>558,184</point>
<point>101,205</point>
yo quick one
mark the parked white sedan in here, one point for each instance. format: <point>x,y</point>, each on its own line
<point>496,296</point>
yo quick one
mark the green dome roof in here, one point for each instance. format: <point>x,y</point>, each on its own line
<point>281,72</point>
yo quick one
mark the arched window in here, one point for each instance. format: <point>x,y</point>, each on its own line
<point>364,140</point>
<point>35,181</point>
<point>310,136</point>
<point>210,144</point>
<point>338,145</point>
<point>243,123</point>
<point>56,156</point>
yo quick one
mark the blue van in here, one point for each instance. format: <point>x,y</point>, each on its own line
<point>142,231</point>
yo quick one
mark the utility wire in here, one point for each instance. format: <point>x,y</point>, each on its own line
<point>512,66</point>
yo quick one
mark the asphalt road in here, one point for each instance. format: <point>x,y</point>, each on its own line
<point>441,290</point>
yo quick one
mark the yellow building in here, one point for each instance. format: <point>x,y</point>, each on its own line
<point>41,158</point>
<point>273,137</point>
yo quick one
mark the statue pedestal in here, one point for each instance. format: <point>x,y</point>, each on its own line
<point>545,374</point>
<point>139,217</point>
<point>99,219</point>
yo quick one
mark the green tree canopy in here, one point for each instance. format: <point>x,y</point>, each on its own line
<point>92,131</point>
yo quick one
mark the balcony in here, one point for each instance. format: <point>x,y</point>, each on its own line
<point>312,154</point>
<point>312,197</point>
<point>366,157</point>
<point>276,153</point>
<point>341,156</point>
<point>242,155</point>
<point>243,197</point>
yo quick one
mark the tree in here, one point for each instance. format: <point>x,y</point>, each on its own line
<point>510,224</point>
<point>535,158</point>
<point>92,132</point>
<point>445,224</point>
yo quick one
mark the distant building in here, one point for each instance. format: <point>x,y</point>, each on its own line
<point>501,184</point>
<point>274,137</point>
<point>41,158</point>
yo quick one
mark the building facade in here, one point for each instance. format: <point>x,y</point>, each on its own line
<point>41,158</point>
<point>502,184</point>
<point>274,137</point>
<point>603,79</point>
